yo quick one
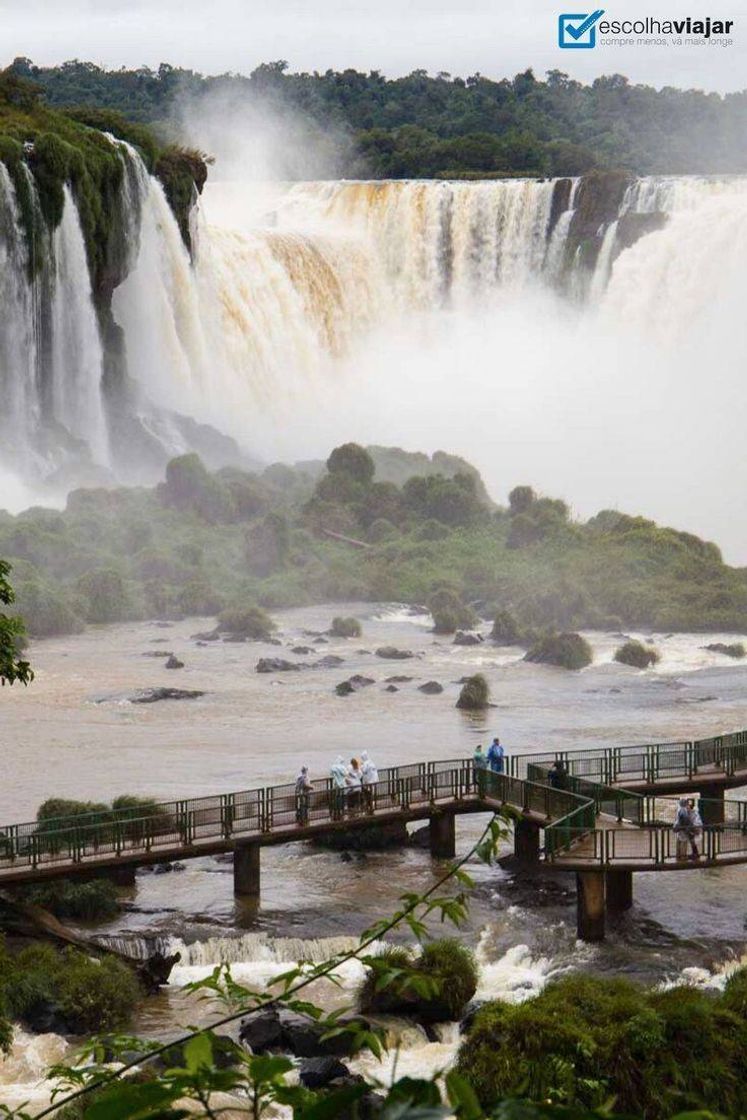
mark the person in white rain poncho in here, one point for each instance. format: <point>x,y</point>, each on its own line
<point>338,774</point>
<point>369,776</point>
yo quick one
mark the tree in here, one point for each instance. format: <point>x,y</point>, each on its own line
<point>353,460</point>
<point>12,666</point>
<point>521,499</point>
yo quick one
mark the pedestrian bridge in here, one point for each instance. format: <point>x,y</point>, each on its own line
<point>612,817</point>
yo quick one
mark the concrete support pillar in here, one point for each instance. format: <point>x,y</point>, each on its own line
<point>246,870</point>
<point>619,891</point>
<point>526,841</point>
<point>443,836</point>
<point>590,905</point>
<point>712,804</point>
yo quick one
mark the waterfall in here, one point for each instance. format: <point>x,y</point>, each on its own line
<point>271,316</point>
<point>76,353</point>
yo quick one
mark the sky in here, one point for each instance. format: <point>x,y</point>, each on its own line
<point>495,37</point>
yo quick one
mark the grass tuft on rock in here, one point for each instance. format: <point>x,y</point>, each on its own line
<point>566,650</point>
<point>637,655</point>
<point>434,986</point>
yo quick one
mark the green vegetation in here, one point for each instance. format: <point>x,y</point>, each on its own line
<point>585,1041</point>
<point>441,126</point>
<point>345,627</point>
<point>636,654</point>
<point>87,995</point>
<point>87,902</point>
<point>568,651</point>
<point>449,612</point>
<point>12,666</point>
<point>475,694</point>
<point>434,986</point>
<point>505,631</point>
<point>70,147</point>
<point>204,542</point>
<point>246,622</point>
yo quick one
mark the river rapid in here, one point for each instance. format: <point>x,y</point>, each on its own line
<point>73,733</point>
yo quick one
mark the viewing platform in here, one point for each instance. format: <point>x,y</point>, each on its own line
<point>612,816</point>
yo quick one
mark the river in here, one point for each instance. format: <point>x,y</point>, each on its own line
<point>73,733</point>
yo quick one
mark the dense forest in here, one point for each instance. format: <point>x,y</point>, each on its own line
<point>378,524</point>
<point>424,126</point>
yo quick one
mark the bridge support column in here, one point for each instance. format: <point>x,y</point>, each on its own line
<point>712,804</point>
<point>590,905</point>
<point>443,836</point>
<point>246,870</point>
<point>619,891</point>
<point>526,841</point>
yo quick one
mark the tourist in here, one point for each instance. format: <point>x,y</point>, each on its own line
<point>495,756</point>
<point>354,784</point>
<point>480,766</point>
<point>685,831</point>
<point>304,786</point>
<point>337,775</point>
<point>696,819</point>
<point>557,775</point>
<point>369,778</point>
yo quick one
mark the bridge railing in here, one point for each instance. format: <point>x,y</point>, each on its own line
<point>649,763</point>
<point>654,844</point>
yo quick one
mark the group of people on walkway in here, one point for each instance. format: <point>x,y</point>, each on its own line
<point>351,788</point>
<point>492,759</point>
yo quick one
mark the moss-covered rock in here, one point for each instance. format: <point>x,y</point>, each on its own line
<point>567,650</point>
<point>345,627</point>
<point>475,694</point>
<point>432,987</point>
<point>637,655</point>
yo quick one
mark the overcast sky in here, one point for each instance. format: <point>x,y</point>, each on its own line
<point>495,37</point>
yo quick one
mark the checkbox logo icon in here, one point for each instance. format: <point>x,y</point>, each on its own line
<point>578,30</point>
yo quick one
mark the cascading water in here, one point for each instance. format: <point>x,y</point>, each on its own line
<point>272,316</point>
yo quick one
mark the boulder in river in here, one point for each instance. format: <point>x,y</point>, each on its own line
<point>329,661</point>
<point>277,665</point>
<point>174,663</point>
<point>275,1029</point>
<point>301,649</point>
<point>391,688</point>
<point>398,679</point>
<point>467,638</point>
<point>431,688</point>
<point>152,695</point>
<point>206,636</point>
<point>316,1073</point>
<point>391,653</point>
<point>158,653</point>
<point>353,684</point>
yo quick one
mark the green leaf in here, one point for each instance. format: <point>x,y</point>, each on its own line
<point>198,1053</point>
<point>125,1101</point>
<point>462,1097</point>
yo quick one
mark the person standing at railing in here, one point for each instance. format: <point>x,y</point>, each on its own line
<point>480,767</point>
<point>369,778</point>
<point>557,775</point>
<point>685,831</point>
<point>495,756</point>
<point>354,784</point>
<point>304,787</point>
<point>337,775</point>
<point>696,819</point>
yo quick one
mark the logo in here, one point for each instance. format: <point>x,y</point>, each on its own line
<point>577,30</point>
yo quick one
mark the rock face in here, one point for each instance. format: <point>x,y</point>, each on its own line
<point>391,653</point>
<point>431,688</point>
<point>152,695</point>
<point>467,638</point>
<point>277,665</point>
<point>174,663</point>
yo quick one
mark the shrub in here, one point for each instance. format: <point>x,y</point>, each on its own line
<point>569,651</point>
<point>636,654</point>
<point>346,628</point>
<point>354,461</point>
<point>433,987</point>
<point>505,630</point>
<point>85,901</point>
<point>521,499</point>
<point>735,649</point>
<point>92,996</point>
<point>190,486</point>
<point>249,622</point>
<point>105,596</point>
<point>449,612</point>
<point>475,694</point>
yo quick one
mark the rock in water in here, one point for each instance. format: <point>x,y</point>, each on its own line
<point>151,695</point>
<point>158,653</point>
<point>329,661</point>
<point>315,1073</point>
<point>277,665</point>
<point>206,636</point>
<point>354,684</point>
<point>174,663</point>
<point>431,688</point>
<point>467,638</point>
<point>391,653</point>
